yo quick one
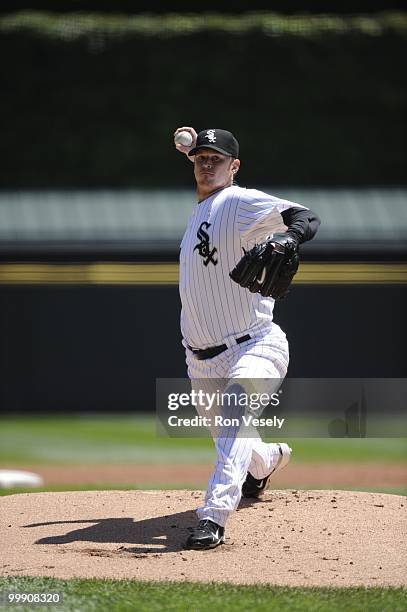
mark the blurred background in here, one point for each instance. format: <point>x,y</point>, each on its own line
<point>94,200</point>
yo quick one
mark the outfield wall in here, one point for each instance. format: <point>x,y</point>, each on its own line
<point>99,347</point>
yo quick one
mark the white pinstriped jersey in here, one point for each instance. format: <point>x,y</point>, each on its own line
<point>215,310</point>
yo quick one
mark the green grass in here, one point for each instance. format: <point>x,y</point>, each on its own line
<point>98,439</point>
<point>120,596</point>
<point>108,439</point>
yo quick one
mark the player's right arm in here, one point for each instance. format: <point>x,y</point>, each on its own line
<point>181,148</point>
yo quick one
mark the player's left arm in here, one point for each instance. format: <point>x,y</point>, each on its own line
<point>302,223</point>
<point>269,267</point>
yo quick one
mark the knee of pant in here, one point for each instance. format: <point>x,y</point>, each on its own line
<point>234,403</point>
<point>235,390</point>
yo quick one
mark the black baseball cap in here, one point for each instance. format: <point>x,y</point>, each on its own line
<point>218,140</point>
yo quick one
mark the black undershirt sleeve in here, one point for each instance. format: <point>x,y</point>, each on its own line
<point>302,224</point>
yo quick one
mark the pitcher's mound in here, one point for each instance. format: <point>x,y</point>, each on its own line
<point>313,538</point>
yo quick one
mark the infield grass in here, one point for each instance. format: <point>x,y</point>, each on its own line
<point>126,595</point>
<point>104,439</point>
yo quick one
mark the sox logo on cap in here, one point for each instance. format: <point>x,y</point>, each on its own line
<point>210,135</point>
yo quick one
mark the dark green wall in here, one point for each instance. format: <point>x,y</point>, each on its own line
<point>98,110</point>
<point>101,348</point>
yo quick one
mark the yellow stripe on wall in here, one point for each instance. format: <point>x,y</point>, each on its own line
<point>90,274</point>
<point>351,273</point>
<point>167,273</point>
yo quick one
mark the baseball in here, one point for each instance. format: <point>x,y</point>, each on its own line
<point>183,138</point>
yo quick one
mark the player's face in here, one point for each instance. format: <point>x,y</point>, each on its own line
<point>213,170</point>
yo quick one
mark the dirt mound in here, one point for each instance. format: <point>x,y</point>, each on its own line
<point>289,538</point>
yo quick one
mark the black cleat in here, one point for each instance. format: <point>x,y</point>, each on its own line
<point>253,487</point>
<point>206,534</point>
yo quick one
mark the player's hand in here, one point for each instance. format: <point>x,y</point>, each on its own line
<point>181,148</point>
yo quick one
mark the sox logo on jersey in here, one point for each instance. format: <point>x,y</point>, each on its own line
<point>203,246</point>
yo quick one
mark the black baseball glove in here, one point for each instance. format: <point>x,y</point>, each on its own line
<point>268,268</point>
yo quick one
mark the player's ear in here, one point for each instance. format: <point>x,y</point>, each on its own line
<point>235,165</point>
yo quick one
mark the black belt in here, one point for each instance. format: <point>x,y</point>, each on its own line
<point>212,351</point>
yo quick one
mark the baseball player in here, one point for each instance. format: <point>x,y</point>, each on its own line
<point>238,254</point>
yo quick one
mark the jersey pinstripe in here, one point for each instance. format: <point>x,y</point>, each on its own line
<point>215,310</point>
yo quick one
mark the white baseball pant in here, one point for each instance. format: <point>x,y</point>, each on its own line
<point>261,357</point>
